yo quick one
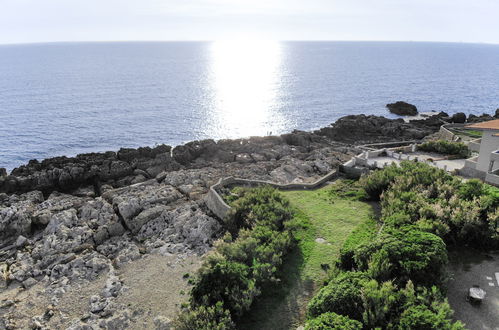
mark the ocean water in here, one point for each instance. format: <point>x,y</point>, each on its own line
<point>70,98</point>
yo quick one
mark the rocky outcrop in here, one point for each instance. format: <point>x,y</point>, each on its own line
<point>402,108</point>
<point>360,129</point>
<point>65,174</point>
<point>476,119</point>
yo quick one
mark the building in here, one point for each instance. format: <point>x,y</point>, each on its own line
<point>485,165</point>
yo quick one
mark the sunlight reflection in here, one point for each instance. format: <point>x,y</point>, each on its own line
<point>245,78</point>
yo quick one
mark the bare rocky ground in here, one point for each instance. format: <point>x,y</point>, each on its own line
<point>108,241</point>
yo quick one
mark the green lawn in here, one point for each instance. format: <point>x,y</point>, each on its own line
<point>324,222</point>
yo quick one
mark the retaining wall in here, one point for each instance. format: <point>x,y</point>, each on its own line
<point>447,134</point>
<point>218,206</point>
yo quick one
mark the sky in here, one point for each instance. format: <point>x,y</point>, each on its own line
<point>26,21</point>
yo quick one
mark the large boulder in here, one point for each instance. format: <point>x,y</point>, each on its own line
<point>402,108</point>
<point>458,118</point>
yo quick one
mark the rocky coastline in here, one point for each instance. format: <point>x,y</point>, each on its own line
<point>80,236</point>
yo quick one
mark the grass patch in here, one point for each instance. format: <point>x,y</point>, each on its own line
<point>323,218</point>
<point>468,132</point>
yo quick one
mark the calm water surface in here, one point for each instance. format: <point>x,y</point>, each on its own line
<point>69,98</point>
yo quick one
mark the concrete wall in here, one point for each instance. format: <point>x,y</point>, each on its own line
<point>492,179</point>
<point>474,145</point>
<point>472,173</point>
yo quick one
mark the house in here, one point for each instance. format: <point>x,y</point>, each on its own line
<point>485,165</point>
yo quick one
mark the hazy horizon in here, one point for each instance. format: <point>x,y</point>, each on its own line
<point>215,40</point>
<point>31,21</point>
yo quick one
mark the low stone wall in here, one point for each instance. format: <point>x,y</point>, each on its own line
<point>353,172</point>
<point>390,145</point>
<point>446,134</point>
<point>217,205</point>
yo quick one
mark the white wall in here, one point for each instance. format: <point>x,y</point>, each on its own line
<point>489,143</point>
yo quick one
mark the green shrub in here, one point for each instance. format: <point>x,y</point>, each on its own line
<point>264,205</point>
<point>404,254</point>
<point>446,148</point>
<point>381,304</point>
<point>205,318</point>
<point>224,281</point>
<point>416,193</point>
<point>341,295</point>
<point>328,321</point>
<point>421,317</point>
<point>414,173</point>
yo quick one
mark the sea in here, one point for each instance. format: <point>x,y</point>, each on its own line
<point>70,98</point>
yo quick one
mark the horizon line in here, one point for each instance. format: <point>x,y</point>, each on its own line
<point>229,40</point>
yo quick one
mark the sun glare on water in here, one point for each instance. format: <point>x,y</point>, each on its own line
<point>245,78</point>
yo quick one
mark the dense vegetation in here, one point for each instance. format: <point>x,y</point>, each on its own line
<point>247,258</point>
<point>394,279</point>
<point>445,147</point>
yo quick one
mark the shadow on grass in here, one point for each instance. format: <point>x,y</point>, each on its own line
<point>281,305</point>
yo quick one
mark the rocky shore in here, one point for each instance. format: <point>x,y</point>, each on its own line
<point>108,240</point>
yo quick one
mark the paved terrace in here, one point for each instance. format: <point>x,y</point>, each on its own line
<point>383,157</point>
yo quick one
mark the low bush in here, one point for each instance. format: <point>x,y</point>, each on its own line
<point>342,295</point>
<point>404,254</point>
<point>328,321</point>
<point>421,317</point>
<point>205,318</point>
<point>416,174</point>
<point>446,148</point>
<point>228,282</point>
<point>265,205</point>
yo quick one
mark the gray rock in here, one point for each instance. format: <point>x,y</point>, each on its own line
<point>244,158</point>
<point>162,323</point>
<point>134,224</point>
<point>28,283</point>
<point>21,241</point>
<point>97,304</point>
<point>116,229</point>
